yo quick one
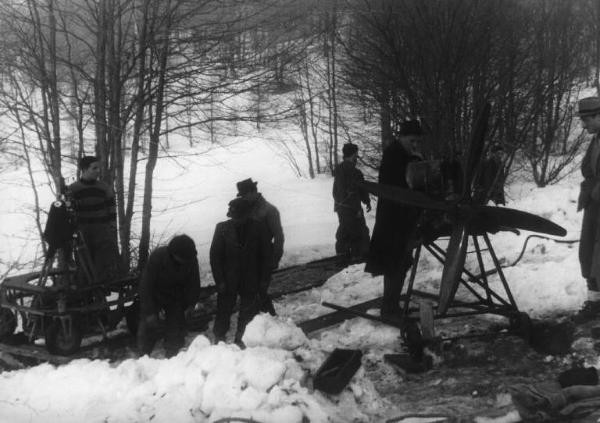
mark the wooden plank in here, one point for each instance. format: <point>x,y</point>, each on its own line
<point>35,352</point>
<point>336,317</point>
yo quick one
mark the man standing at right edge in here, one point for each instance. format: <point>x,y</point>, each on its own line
<point>589,202</point>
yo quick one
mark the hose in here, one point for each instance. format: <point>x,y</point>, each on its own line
<point>561,241</point>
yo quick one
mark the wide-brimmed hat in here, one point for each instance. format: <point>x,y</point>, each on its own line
<point>246,186</point>
<point>588,106</point>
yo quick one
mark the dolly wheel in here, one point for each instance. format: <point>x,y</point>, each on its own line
<point>63,336</point>
<point>520,324</point>
<point>8,322</point>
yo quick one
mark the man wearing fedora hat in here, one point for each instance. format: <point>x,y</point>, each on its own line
<point>240,260</point>
<point>263,211</point>
<point>393,239</point>
<point>589,198</point>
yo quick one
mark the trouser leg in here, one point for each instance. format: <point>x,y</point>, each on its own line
<point>392,288</point>
<point>362,238</point>
<point>175,328</point>
<point>106,256</point>
<point>225,304</point>
<point>393,282</point>
<point>101,243</point>
<point>342,245</point>
<point>353,234</point>
<point>587,239</point>
<point>248,309</point>
<point>266,303</point>
<point>147,335</point>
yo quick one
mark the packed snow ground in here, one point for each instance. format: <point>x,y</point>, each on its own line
<point>270,381</point>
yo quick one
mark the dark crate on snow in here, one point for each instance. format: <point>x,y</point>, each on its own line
<point>337,370</point>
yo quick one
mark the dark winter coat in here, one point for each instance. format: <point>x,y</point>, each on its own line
<point>347,195</point>
<point>589,245</point>
<point>240,256</point>
<point>395,223</point>
<point>165,282</point>
<point>491,182</point>
<point>265,212</point>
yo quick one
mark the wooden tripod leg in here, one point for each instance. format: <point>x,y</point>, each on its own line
<point>426,317</point>
<point>411,281</point>
<point>84,259</point>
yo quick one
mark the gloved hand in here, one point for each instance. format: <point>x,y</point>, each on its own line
<point>368,207</point>
<point>220,288</point>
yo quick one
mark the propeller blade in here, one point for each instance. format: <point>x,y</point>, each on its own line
<point>404,196</point>
<point>492,219</point>
<point>476,149</point>
<point>454,262</point>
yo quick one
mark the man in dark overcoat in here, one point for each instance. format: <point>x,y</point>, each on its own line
<point>170,284</point>
<point>263,211</point>
<point>240,259</point>
<point>352,235</point>
<point>390,252</point>
<point>589,197</point>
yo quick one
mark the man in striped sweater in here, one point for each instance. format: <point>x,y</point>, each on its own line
<point>95,207</point>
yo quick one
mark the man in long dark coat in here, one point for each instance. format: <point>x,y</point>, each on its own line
<point>352,235</point>
<point>589,198</point>
<point>263,211</point>
<point>390,252</point>
<point>170,283</point>
<point>240,259</point>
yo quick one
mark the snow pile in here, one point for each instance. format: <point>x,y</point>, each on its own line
<point>204,383</point>
<point>273,332</point>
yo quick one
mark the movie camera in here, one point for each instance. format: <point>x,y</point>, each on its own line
<point>64,300</point>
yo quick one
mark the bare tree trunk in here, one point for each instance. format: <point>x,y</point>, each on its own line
<point>99,86</point>
<point>334,107</point>
<point>304,128</point>
<point>312,120</point>
<point>144,245</point>
<point>126,211</point>
<point>50,124</point>
<point>37,208</point>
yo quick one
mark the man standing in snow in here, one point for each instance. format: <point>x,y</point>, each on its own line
<point>393,239</point>
<point>352,235</point>
<point>241,261</point>
<point>170,284</point>
<point>589,198</point>
<point>490,185</point>
<point>95,208</point>
<point>263,211</point>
